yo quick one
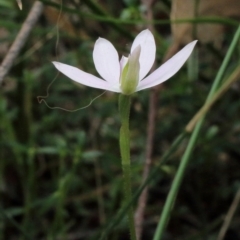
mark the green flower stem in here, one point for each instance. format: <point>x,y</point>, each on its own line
<point>124,109</point>
<point>186,156</point>
<point>153,175</point>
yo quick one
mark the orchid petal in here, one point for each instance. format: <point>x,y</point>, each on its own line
<point>148,50</point>
<point>106,60</point>
<point>168,69</point>
<point>84,78</point>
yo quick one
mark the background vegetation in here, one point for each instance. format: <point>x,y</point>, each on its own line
<point>60,172</point>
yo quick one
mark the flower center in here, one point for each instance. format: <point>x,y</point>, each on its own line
<point>130,73</point>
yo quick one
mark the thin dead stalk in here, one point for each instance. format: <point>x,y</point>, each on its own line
<point>153,100</point>
<point>139,214</point>
<point>19,3</point>
<point>229,216</point>
<point>21,38</point>
<point>153,105</point>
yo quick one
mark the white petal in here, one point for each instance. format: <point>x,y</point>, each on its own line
<point>106,60</point>
<point>84,78</point>
<point>148,50</point>
<point>168,69</point>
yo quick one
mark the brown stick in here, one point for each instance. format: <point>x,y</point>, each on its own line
<point>19,3</point>
<point>21,38</point>
<point>229,216</point>
<point>139,214</point>
<point>150,137</point>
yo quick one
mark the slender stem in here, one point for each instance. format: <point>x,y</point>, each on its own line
<point>124,109</point>
<point>186,156</point>
<point>153,175</point>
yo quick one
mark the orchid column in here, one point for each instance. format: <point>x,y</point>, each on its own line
<point>126,77</point>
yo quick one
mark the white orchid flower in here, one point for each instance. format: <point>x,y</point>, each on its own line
<point>128,75</point>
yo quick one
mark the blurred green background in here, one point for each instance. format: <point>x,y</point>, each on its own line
<point>60,172</point>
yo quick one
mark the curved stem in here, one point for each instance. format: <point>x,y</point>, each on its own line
<point>124,109</point>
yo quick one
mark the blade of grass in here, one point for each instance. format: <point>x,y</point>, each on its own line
<point>14,223</point>
<point>206,107</point>
<point>185,159</point>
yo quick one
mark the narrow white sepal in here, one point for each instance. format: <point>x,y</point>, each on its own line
<point>168,69</point>
<point>84,78</point>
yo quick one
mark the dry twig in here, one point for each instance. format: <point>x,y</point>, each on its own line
<point>19,3</point>
<point>229,216</point>
<point>139,214</point>
<point>21,38</point>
